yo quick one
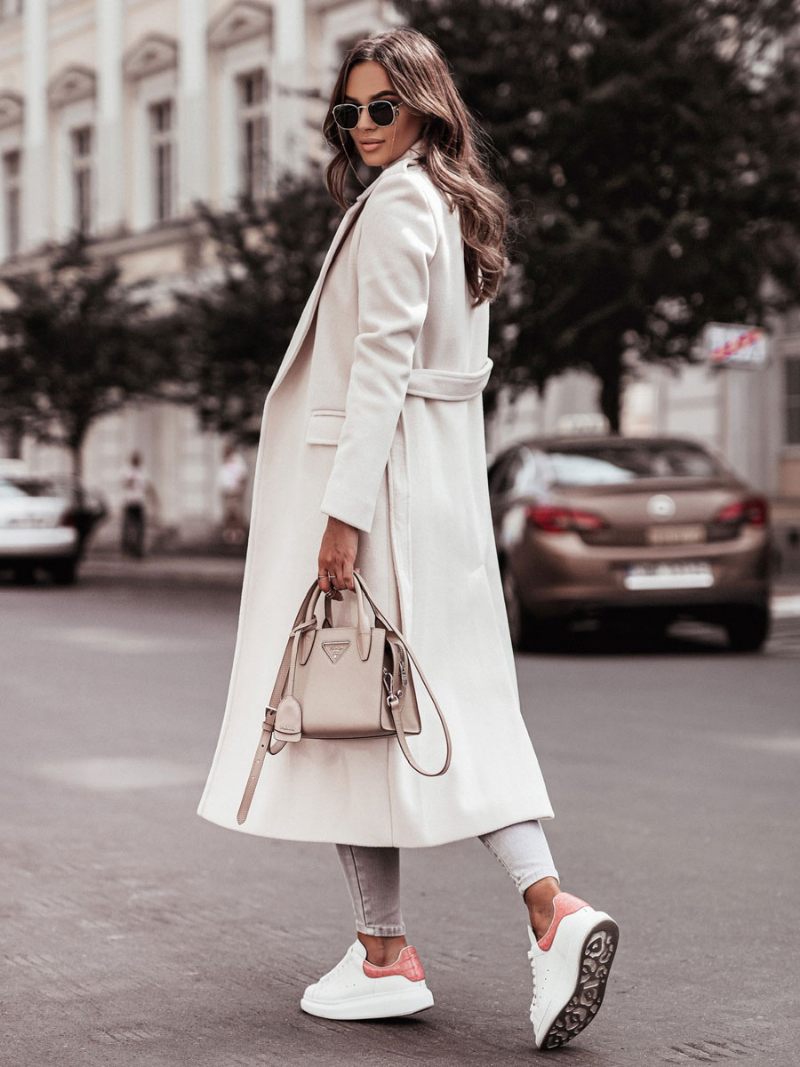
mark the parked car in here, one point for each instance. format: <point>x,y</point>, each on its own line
<point>661,527</point>
<point>45,523</point>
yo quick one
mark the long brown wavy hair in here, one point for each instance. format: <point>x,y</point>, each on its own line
<point>453,147</point>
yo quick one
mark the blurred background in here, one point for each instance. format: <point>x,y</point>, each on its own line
<point>162,217</point>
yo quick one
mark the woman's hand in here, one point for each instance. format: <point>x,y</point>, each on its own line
<point>337,554</point>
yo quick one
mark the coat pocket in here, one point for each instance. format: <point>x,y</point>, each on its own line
<point>324,426</point>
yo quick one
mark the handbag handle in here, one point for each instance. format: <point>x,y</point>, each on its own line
<point>364,630</point>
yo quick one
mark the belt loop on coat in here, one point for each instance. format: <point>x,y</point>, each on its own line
<point>449,384</point>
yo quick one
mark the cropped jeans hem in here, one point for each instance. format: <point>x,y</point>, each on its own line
<point>373,873</point>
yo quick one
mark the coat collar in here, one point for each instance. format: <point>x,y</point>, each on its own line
<point>410,154</point>
<point>346,222</point>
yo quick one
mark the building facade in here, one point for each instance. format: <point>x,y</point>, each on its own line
<point>115,116</point>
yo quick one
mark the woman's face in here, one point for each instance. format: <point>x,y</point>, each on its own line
<point>379,145</point>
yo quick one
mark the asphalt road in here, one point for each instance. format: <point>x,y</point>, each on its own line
<point>134,932</point>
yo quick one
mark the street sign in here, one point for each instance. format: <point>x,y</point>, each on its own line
<point>728,344</point>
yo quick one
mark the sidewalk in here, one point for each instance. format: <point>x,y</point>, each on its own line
<point>786,598</point>
<point>227,572</point>
<point>222,571</point>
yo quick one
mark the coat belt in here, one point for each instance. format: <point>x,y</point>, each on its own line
<point>449,384</point>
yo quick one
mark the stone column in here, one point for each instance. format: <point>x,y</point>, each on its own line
<point>193,114</point>
<point>111,167</point>
<point>35,170</point>
<point>290,81</point>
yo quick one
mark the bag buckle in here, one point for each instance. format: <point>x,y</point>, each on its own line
<point>392,698</point>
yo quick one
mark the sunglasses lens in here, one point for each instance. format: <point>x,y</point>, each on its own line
<point>382,112</point>
<point>346,116</point>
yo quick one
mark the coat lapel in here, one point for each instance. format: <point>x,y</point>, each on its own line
<point>306,318</point>
<point>348,220</point>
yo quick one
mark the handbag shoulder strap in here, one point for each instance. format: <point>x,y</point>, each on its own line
<point>398,726</point>
<point>270,713</point>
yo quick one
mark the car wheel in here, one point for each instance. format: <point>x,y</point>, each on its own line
<point>520,623</point>
<point>650,628</point>
<point>25,574</point>
<point>64,572</point>
<point>747,628</point>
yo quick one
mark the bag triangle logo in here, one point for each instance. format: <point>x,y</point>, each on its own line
<point>334,649</point>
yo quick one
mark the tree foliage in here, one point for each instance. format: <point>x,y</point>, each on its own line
<point>235,331</point>
<point>651,150</point>
<point>74,346</point>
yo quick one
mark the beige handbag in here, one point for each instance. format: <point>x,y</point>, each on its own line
<point>338,682</point>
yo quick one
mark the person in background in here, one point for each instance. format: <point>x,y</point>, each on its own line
<point>137,492</point>
<point>232,483</point>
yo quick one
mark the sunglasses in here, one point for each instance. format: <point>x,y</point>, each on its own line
<point>382,113</point>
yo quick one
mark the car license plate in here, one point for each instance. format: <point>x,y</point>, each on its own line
<point>676,535</point>
<point>688,575</point>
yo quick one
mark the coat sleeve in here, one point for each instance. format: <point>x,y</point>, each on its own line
<point>397,242</point>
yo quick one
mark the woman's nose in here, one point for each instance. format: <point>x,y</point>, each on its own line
<point>365,122</point>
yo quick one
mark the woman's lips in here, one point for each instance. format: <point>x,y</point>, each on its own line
<point>369,146</point>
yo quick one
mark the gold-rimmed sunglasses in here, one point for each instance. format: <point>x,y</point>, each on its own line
<point>382,113</point>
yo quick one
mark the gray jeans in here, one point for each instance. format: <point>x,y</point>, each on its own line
<point>373,873</point>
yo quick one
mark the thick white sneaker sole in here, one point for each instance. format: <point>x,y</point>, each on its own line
<point>387,1005</point>
<point>577,999</point>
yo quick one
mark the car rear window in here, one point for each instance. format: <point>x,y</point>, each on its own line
<point>616,464</point>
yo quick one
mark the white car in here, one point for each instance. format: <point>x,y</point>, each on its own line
<point>43,525</point>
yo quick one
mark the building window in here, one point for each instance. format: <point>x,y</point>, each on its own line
<point>12,168</point>
<point>82,139</point>
<point>162,159</point>
<point>252,124</point>
<point>344,44</point>
<point>792,370</point>
<point>9,8</point>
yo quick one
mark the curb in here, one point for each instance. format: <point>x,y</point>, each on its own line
<point>785,606</point>
<point>228,573</point>
<point>225,573</point>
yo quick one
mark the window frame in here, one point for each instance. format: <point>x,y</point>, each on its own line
<point>791,405</point>
<point>12,186</point>
<point>146,90</point>
<point>10,9</point>
<point>229,63</point>
<point>82,177</point>
<point>161,158</point>
<point>252,168</point>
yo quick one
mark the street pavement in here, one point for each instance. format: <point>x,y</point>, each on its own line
<point>135,932</point>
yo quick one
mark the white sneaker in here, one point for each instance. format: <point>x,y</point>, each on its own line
<point>358,989</point>
<point>570,965</point>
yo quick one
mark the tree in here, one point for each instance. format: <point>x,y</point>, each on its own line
<point>74,347</point>
<point>234,333</point>
<point>651,150</point>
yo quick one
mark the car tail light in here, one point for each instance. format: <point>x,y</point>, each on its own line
<point>563,520</point>
<point>753,510</point>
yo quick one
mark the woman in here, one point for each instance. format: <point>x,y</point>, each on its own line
<point>372,452</point>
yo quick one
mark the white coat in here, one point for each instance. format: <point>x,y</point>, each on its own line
<point>375,417</point>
